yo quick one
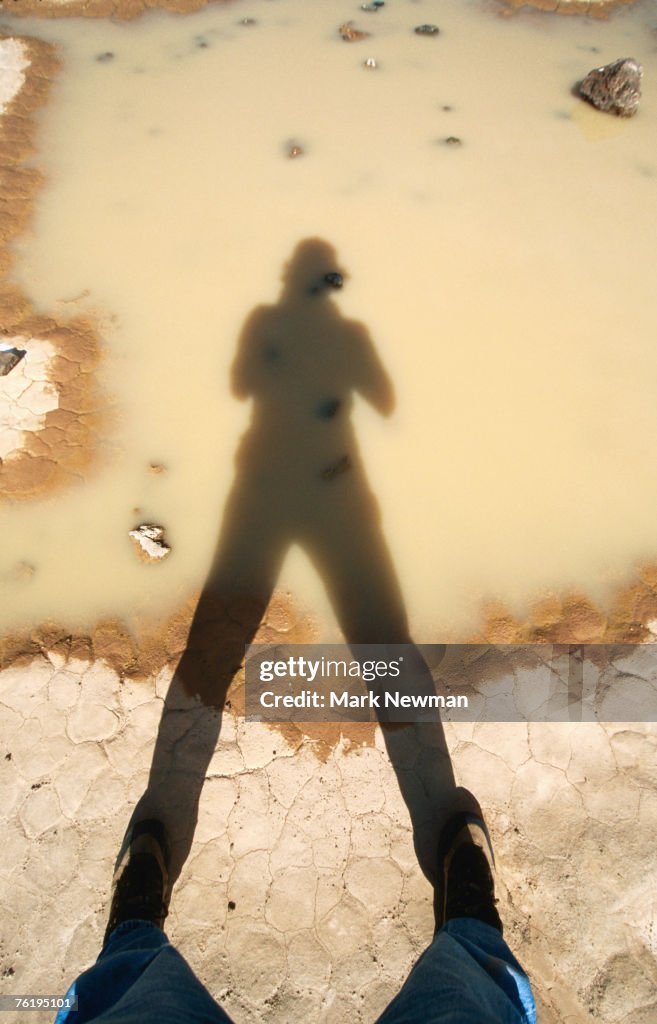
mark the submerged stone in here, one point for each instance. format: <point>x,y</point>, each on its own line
<point>328,408</point>
<point>614,88</point>
<point>350,34</point>
<point>337,468</point>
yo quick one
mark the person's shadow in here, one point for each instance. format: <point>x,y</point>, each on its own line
<point>299,479</point>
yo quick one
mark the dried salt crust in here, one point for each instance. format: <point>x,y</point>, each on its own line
<point>26,395</point>
<point>125,10</point>
<point>56,454</point>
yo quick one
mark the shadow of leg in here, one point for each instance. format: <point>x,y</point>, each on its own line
<point>229,611</point>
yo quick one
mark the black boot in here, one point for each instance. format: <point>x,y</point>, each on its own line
<point>139,886</point>
<point>467,873</point>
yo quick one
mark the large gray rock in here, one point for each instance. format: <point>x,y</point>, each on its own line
<point>615,88</point>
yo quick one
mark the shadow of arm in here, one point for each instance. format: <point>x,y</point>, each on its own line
<point>247,367</point>
<point>371,378</point>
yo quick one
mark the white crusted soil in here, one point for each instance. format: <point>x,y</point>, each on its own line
<point>13,63</point>
<point>26,393</point>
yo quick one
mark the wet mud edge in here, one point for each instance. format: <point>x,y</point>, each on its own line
<point>128,10</point>
<point>589,8</point>
<point>58,454</point>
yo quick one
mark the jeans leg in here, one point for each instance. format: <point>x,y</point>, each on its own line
<point>468,975</point>
<point>139,978</point>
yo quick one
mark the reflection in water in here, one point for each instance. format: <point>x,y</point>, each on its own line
<point>299,479</point>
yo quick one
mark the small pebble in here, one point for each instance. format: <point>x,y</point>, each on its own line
<point>201,43</point>
<point>156,468</point>
<point>372,7</point>
<point>23,571</point>
<point>334,279</point>
<point>271,354</point>
<point>427,30</point>
<point>104,58</point>
<point>294,151</point>
<point>328,409</point>
<point>351,35</point>
<point>248,21</point>
<point>453,140</point>
<point>337,468</point>
<point>370,63</point>
<point>231,904</point>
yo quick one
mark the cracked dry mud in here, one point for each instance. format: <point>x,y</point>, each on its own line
<point>302,898</point>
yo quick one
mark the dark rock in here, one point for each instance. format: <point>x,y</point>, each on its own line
<point>453,140</point>
<point>328,408</point>
<point>9,358</point>
<point>331,280</point>
<point>272,354</point>
<point>426,30</point>
<point>373,6</point>
<point>615,88</point>
<point>337,468</point>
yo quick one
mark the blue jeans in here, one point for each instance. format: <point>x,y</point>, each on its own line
<point>468,975</point>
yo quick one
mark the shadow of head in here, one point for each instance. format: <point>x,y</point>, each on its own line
<point>312,269</point>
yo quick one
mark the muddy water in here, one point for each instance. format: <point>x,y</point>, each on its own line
<point>506,283</point>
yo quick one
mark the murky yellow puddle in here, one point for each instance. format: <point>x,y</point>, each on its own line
<point>503,283</point>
